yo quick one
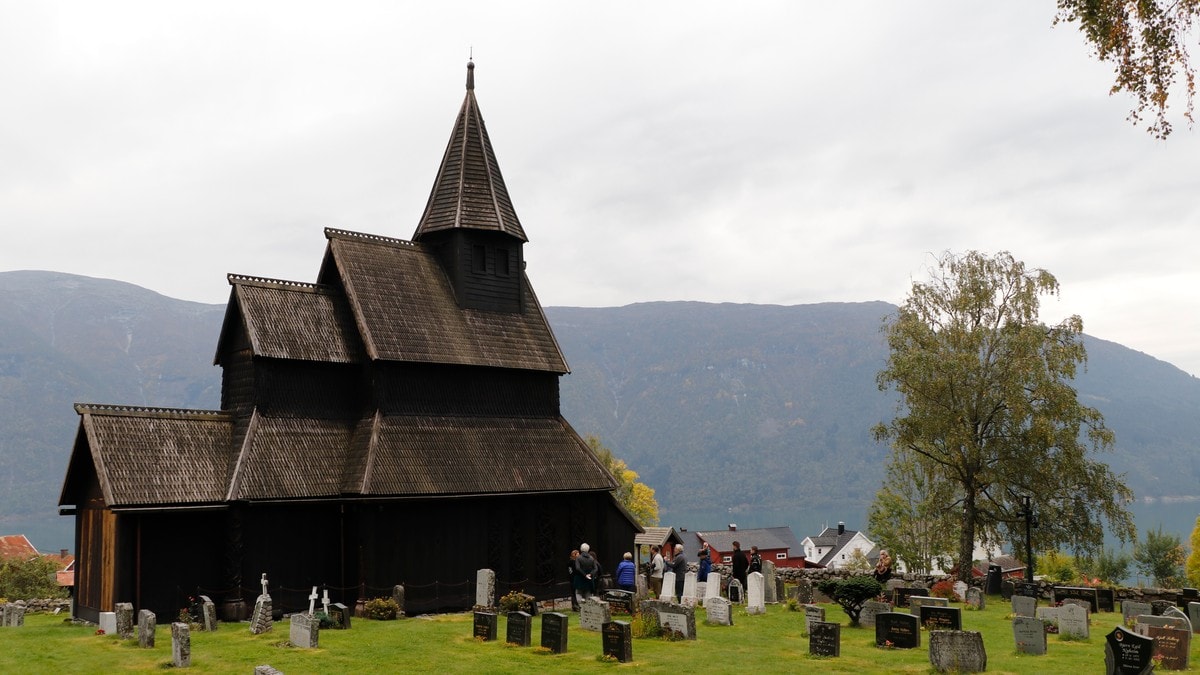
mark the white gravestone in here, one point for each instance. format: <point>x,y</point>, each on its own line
<point>754,595</point>
<point>719,612</point>
<point>325,602</point>
<point>712,587</point>
<point>485,588</point>
<point>108,623</point>
<point>689,590</point>
<point>668,589</point>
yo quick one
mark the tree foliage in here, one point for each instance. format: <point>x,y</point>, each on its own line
<point>1192,568</point>
<point>989,412</point>
<point>1161,557</point>
<point>909,516</point>
<point>1145,41</point>
<point>34,578</point>
<point>1107,566</point>
<point>637,498</point>
<point>851,593</point>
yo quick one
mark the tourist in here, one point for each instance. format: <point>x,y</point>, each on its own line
<point>739,564</point>
<point>571,574</point>
<point>657,565</point>
<point>625,574</point>
<point>883,568</point>
<point>585,568</point>
<point>755,561</point>
<point>705,564</point>
<point>679,566</point>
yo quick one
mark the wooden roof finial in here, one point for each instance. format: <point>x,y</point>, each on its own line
<point>471,73</point>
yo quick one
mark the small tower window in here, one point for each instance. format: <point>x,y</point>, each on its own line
<point>479,258</point>
<point>501,262</point>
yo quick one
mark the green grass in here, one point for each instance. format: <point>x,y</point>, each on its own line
<point>772,642</point>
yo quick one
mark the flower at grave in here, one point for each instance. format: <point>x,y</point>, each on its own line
<point>888,644</point>
<point>1157,659</point>
<point>99,631</point>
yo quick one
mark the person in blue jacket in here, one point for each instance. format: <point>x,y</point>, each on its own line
<point>625,573</point>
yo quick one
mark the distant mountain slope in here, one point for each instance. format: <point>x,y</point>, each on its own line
<point>753,414</point>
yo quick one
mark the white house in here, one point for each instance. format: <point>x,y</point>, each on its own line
<point>834,548</point>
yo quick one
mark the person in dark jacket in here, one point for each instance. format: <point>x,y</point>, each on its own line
<point>626,573</point>
<point>585,572</point>
<point>679,566</point>
<point>755,561</point>
<point>705,564</point>
<point>571,574</point>
<point>740,565</point>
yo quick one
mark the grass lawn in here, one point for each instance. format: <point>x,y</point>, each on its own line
<point>772,642</point>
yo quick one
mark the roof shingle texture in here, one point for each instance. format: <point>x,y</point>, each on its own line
<point>297,321</point>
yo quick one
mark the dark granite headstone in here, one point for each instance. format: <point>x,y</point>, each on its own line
<point>1172,644</point>
<point>554,632</point>
<point>1127,653</point>
<point>957,651</point>
<point>619,601</point>
<point>1029,634</point>
<point>900,595</point>
<point>1029,589</point>
<point>897,629</point>
<point>737,594</point>
<point>934,617</point>
<point>618,640</point>
<point>519,629</point>
<point>1107,598</point>
<point>340,615</point>
<point>825,638</point>
<point>485,626</point>
<point>1086,593</point>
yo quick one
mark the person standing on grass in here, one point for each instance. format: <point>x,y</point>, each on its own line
<point>625,574</point>
<point>657,567</point>
<point>740,565</point>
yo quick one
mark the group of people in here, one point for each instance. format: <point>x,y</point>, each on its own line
<point>586,574</point>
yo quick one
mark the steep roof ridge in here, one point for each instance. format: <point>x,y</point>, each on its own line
<point>267,282</point>
<point>145,411</point>
<point>453,201</point>
<point>334,233</point>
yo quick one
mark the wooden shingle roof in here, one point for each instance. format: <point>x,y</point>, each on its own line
<point>469,191</point>
<point>292,320</point>
<point>290,458</point>
<point>154,456</point>
<point>405,310</point>
<point>450,455</point>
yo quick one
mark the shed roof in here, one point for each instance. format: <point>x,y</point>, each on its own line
<point>764,538</point>
<point>16,546</point>
<point>657,536</point>
<point>291,320</point>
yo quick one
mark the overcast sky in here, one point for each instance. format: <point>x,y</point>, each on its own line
<point>769,152</point>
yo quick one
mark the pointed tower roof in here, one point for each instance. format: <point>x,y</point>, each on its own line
<point>469,191</point>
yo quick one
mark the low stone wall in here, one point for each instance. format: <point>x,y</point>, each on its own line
<point>45,606</point>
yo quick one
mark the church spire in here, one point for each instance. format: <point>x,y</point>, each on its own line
<point>469,192</point>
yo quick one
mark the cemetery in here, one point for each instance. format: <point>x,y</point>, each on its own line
<point>785,636</point>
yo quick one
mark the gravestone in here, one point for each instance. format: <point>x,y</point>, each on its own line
<point>1085,593</point>
<point>720,611</point>
<point>1023,605</point>
<point>1172,644</point>
<point>679,619</point>
<point>554,632</point>
<point>147,623</point>
<point>957,651</point>
<point>804,592</point>
<point>340,615</point>
<point>1073,620</point>
<point>1107,598</point>
<point>769,589</point>
<point>712,587</point>
<point>825,639</point>
<point>484,626</point>
<point>897,629</point>
<point>181,645</point>
<point>668,589</point>
<point>892,584</point>
<point>1048,614</point>
<point>1193,610</point>
<point>1132,609</point>
<point>1177,613</point>
<point>14,615</point>
<point>485,588</point>
<point>519,629</point>
<point>737,594</point>
<point>1030,589</point>
<point>641,587</point>
<point>593,614</point>
<point>1127,653</point>
<point>902,594</point>
<point>976,598</point>
<point>124,620</point>
<point>618,641</point>
<point>812,614</point>
<point>960,590</point>
<point>780,589</point>
<point>619,601</point>
<point>398,597</point>
<point>689,589</point>
<point>108,623</point>
<point>1157,607</point>
<point>304,631</point>
<point>260,620</point>
<point>936,617</point>
<point>1029,634</point>
<point>754,594</point>
<point>871,608</point>
<point>208,614</point>
<point>266,669</point>
<point>916,602</point>
<point>1141,622</point>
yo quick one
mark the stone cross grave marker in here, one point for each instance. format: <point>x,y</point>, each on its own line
<point>325,601</point>
<point>554,632</point>
<point>719,611</point>
<point>519,629</point>
<point>304,631</point>
<point>484,626</point>
<point>1127,653</point>
<point>825,639</point>
<point>485,588</point>
<point>1029,634</point>
<point>263,581</point>
<point>689,589</point>
<point>957,651</point>
<point>593,614</point>
<point>668,587</point>
<point>1073,620</point>
<point>898,630</point>
<point>312,601</point>
<point>812,614</point>
<point>754,597</point>
<point>1023,605</point>
<point>870,609</point>
<point>618,640</point>
<point>1172,644</point>
<point>181,645</point>
<point>147,622</point>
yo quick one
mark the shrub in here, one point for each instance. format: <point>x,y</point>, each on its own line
<point>645,625</point>
<point>30,579</point>
<point>518,601</point>
<point>851,593</point>
<point>382,609</point>
<point>943,589</point>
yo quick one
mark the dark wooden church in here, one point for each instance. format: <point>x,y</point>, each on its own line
<point>396,422</point>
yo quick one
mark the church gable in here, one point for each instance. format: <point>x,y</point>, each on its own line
<point>292,320</point>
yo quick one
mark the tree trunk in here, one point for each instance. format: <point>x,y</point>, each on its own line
<point>966,539</point>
